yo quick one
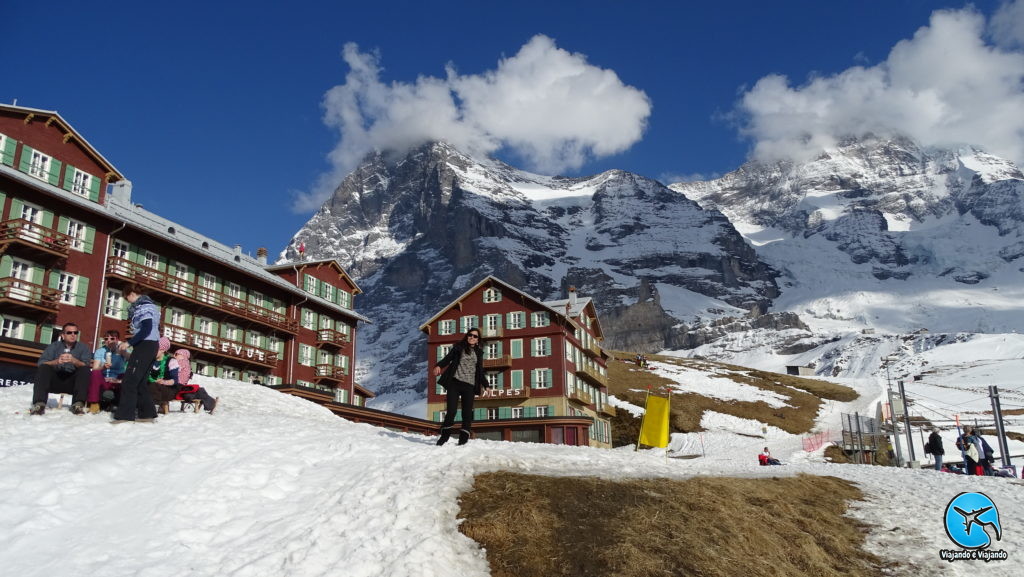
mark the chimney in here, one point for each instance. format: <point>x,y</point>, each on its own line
<point>238,250</point>
<point>572,295</point>
<point>261,255</point>
<point>120,194</point>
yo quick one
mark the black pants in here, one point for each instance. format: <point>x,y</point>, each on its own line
<point>49,380</point>
<point>459,391</point>
<point>135,394</point>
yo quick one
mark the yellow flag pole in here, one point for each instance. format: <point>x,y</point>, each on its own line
<point>668,424</point>
<point>642,419</point>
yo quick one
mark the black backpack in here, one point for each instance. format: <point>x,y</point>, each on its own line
<point>927,447</point>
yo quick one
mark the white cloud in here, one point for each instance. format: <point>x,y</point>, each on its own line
<point>545,104</point>
<point>945,86</point>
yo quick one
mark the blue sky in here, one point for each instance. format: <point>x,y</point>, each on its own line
<point>217,113</point>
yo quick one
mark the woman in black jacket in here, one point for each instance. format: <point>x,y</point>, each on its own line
<point>463,378</point>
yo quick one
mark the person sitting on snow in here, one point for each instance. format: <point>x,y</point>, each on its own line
<point>765,458</point>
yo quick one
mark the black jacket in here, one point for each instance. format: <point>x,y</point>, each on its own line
<point>450,363</point>
<point>935,444</point>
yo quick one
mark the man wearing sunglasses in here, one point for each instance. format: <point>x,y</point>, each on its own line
<point>63,368</point>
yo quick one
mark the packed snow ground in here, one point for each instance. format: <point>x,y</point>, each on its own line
<point>276,485</point>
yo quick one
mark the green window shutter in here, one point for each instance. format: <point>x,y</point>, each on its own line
<point>458,415</point>
<point>517,348</point>
<point>462,324</point>
<point>167,316</point>
<point>26,158</point>
<point>69,177</point>
<point>90,239</point>
<point>508,319</point>
<point>551,410</point>
<point>533,347</point>
<point>479,414</point>
<point>54,177</point>
<point>5,266</point>
<point>54,280</point>
<point>38,274</point>
<point>551,378</point>
<point>161,263</point>
<point>547,346</point>
<point>28,332</point>
<point>82,294</point>
<point>47,220</point>
<point>533,379</point>
<point>440,351</point>
<point>7,151</point>
<point>16,206</point>
<point>62,224</point>
<point>501,380</point>
<point>437,416</point>
<point>504,412</point>
<point>529,412</point>
<point>94,189</point>
<point>498,346</point>
<point>517,379</point>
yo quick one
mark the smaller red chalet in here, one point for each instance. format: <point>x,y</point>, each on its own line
<point>543,359</point>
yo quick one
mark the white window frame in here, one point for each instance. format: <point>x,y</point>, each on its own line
<point>120,249</point>
<point>444,350</point>
<point>329,290</point>
<point>39,165</point>
<point>326,322</point>
<point>204,325</point>
<point>492,378</point>
<point>254,339</point>
<point>492,350</point>
<point>492,323</point>
<point>537,317</point>
<point>67,284</point>
<point>151,260</point>
<point>231,332</point>
<point>446,327</point>
<point>113,303</point>
<point>177,318</point>
<point>538,347</point>
<point>492,413</point>
<point>541,411</point>
<point>233,290</point>
<point>308,321</point>
<point>12,327</point>
<point>76,231</point>
<point>31,213</point>
<point>256,298</point>
<point>517,412</point>
<point>21,270</point>
<point>306,355</point>
<point>492,295</point>
<point>540,378</point>
<point>516,320</point>
<point>81,183</point>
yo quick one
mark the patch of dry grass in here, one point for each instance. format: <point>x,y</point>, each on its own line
<point>712,527</point>
<point>805,396</point>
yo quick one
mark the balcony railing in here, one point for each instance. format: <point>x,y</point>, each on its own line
<point>489,333</point>
<point>592,375</point>
<point>30,295</point>
<point>26,233</point>
<point>332,337</point>
<point>498,363</point>
<point>607,410</point>
<point>220,347</point>
<point>580,396</point>
<point>523,393</point>
<point>169,284</point>
<point>593,349</point>
<point>330,372</point>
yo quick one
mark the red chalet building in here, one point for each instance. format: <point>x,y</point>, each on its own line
<point>543,359</point>
<point>71,238</point>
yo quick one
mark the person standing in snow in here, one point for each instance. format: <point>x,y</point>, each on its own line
<point>935,447</point>
<point>462,379</point>
<point>966,443</point>
<point>144,318</point>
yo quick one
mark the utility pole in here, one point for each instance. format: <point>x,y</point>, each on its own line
<point>997,412</point>
<point>906,419</point>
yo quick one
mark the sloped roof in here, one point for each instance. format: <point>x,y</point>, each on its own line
<point>330,261</point>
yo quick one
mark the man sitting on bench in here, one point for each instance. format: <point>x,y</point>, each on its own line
<point>63,368</point>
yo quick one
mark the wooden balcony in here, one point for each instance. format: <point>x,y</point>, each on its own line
<point>607,410</point>
<point>329,373</point>
<point>486,333</point>
<point>578,395</point>
<point>127,270</point>
<point>220,347</point>
<point>592,376</point>
<point>19,236</point>
<point>28,297</point>
<point>593,349</point>
<point>332,338</point>
<point>501,362</point>
<point>498,394</point>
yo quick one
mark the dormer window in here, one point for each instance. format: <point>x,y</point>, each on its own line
<point>82,183</point>
<point>492,295</point>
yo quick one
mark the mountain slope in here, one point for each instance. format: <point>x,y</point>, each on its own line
<point>417,229</point>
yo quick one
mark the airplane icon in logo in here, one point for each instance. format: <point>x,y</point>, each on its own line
<point>972,518</point>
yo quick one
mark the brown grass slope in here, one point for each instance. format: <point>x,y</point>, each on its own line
<point>627,382</point>
<point>553,526</point>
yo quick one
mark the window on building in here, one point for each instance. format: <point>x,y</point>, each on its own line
<point>67,284</point>
<point>344,299</point>
<point>257,299</point>
<point>326,322</point>
<point>274,344</point>
<point>113,304</point>
<point>542,347</point>
<point>306,355</point>
<point>325,358</point>
<point>76,231</point>
<point>542,411</point>
<point>493,379</point>
<point>469,322</point>
<point>516,348</point>
<point>308,319</point>
<point>516,320</point>
<point>234,290</point>
<point>517,412</point>
<point>329,292</point>
<point>12,328</point>
<point>492,350</point>
<point>492,325</point>
<point>120,249</point>
<point>492,295</point>
<point>151,260</point>
<point>540,378</point>
<point>205,326</point>
<point>81,183</point>
<point>231,332</point>
<point>230,373</point>
<point>255,339</point>
<point>32,213</point>
<point>443,350</point>
<point>39,165</point>
<point>492,413</point>
<point>541,319</point>
<point>309,283</point>
<point>177,317</point>
<point>207,280</point>
<point>446,327</point>
<point>21,272</point>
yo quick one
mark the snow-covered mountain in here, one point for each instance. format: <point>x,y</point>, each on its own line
<point>417,229</point>
<point>882,233</point>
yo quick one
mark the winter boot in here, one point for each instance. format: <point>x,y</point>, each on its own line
<point>37,409</point>
<point>164,407</point>
<point>94,408</point>
<point>463,436</point>
<point>446,433</point>
<point>78,408</point>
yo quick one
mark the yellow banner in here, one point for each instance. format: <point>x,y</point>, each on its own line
<point>654,432</point>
